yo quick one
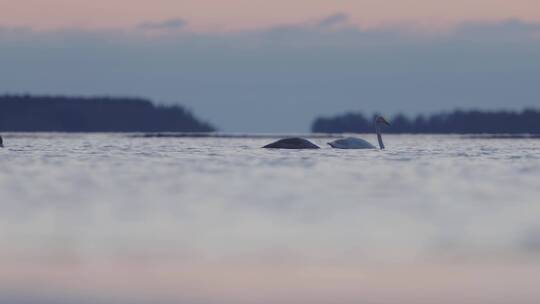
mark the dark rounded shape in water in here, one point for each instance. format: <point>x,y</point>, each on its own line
<point>1,142</point>
<point>292,143</point>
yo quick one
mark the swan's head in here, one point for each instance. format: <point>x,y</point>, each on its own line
<point>379,120</point>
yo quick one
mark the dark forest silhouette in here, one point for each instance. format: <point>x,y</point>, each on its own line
<point>100,114</point>
<point>458,122</point>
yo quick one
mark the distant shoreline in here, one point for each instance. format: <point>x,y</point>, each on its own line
<point>26,113</point>
<point>196,135</point>
<point>456,122</point>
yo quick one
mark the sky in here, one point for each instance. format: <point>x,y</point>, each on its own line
<point>273,66</point>
<point>250,14</point>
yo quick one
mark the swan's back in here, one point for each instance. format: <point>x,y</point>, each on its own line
<point>351,143</point>
<point>292,143</point>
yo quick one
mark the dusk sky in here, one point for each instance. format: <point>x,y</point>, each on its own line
<point>249,14</point>
<point>273,66</point>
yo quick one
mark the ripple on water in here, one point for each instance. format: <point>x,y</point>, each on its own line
<point>410,198</point>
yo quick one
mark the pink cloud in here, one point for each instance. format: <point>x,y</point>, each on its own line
<point>249,14</point>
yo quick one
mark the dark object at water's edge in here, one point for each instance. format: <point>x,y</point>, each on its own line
<point>457,122</point>
<point>99,114</point>
<point>292,143</point>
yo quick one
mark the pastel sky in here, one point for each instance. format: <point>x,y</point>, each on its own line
<point>245,14</point>
<point>274,66</point>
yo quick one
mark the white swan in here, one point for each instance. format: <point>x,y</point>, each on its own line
<point>358,143</point>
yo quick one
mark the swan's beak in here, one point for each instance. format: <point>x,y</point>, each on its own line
<point>384,121</point>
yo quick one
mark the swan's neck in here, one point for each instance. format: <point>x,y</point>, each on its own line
<point>379,137</point>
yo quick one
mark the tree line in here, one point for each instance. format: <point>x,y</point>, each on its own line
<point>24,113</point>
<point>458,122</point>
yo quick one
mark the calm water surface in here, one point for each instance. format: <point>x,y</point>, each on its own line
<point>116,218</point>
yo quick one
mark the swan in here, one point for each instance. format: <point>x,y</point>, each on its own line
<point>358,143</point>
<point>292,143</point>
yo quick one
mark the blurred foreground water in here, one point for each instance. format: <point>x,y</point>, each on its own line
<point>124,219</point>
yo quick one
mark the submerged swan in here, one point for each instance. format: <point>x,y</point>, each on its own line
<point>358,143</point>
<point>292,143</point>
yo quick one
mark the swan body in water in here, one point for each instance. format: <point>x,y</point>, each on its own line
<point>292,143</point>
<point>351,143</point>
<point>358,143</point>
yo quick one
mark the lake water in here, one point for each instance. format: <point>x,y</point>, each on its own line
<point>118,218</point>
